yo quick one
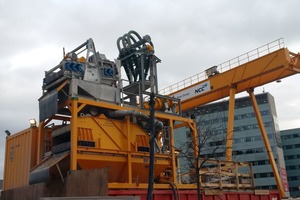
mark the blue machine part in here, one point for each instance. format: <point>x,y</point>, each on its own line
<point>74,66</point>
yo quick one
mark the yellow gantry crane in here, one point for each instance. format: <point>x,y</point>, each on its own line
<point>271,62</point>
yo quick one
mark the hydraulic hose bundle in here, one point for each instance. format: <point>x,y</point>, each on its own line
<point>131,46</point>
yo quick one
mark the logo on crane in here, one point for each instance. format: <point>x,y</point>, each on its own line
<point>201,88</point>
<point>193,91</point>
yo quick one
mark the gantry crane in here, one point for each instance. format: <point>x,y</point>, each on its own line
<point>269,63</point>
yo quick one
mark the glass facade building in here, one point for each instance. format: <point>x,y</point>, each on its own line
<point>248,145</point>
<point>291,148</point>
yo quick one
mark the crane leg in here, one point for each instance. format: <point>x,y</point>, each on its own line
<point>267,143</point>
<point>230,125</point>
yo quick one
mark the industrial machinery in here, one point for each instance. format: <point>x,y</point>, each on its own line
<point>91,118</point>
<point>94,121</point>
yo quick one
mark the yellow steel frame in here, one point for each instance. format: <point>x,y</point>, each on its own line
<point>75,105</point>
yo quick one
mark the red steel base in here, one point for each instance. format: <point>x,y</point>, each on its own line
<point>192,195</point>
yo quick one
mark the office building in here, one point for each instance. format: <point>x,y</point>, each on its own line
<point>291,148</point>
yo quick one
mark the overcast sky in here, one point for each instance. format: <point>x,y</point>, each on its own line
<point>189,37</point>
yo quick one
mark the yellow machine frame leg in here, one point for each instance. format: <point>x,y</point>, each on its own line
<point>174,172</point>
<point>74,111</point>
<point>129,151</point>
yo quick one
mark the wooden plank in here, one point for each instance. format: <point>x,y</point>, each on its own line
<point>87,183</point>
<point>213,192</point>
<point>262,192</point>
<point>78,183</point>
<point>25,193</point>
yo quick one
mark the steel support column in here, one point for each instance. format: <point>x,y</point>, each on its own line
<point>172,145</point>
<point>73,134</point>
<point>230,125</point>
<point>195,139</point>
<point>129,150</point>
<point>266,142</point>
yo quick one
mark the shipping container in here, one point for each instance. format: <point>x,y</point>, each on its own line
<point>20,157</point>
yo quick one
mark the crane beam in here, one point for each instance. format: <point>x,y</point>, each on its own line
<point>269,68</point>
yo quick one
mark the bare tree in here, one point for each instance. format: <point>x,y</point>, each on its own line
<point>210,144</point>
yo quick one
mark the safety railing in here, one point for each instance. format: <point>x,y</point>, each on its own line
<point>225,66</point>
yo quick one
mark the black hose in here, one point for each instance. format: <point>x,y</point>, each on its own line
<point>152,140</point>
<point>129,41</point>
<point>129,46</point>
<point>122,113</point>
<point>175,191</point>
